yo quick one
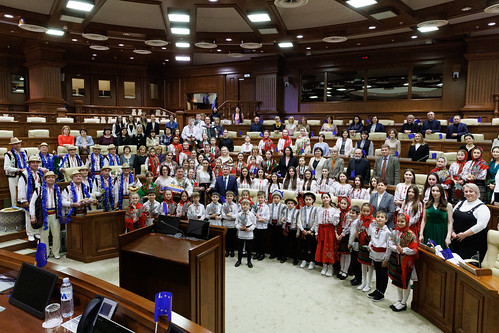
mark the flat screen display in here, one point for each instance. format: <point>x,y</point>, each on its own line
<point>33,289</point>
<point>198,229</point>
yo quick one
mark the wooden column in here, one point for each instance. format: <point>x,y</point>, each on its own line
<point>44,65</point>
<point>5,84</point>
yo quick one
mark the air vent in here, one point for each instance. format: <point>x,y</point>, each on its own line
<point>99,47</point>
<point>335,39</point>
<point>156,42</point>
<point>93,36</point>
<point>206,45</point>
<point>290,3</point>
<point>432,24</point>
<point>236,55</point>
<point>141,51</point>
<point>251,46</point>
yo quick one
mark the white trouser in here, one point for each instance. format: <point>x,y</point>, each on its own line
<point>13,189</point>
<point>54,227</point>
<point>29,228</point>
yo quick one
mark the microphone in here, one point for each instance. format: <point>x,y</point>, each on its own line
<point>178,234</point>
<point>423,158</point>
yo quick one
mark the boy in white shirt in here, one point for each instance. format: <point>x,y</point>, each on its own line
<point>353,244</point>
<point>274,225</point>
<point>152,207</point>
<point>261,210</point>
<point>214,210</point>
<point>306,228</point>
<point>289,219</point>
<point>380,253</point>
<point>196,211</point>
<point>229,214</point>
<point>247,147</point>
<point>245,224</point>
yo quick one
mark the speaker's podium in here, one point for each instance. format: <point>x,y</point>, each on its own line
<point>193,270</point>
<point>94,236</point>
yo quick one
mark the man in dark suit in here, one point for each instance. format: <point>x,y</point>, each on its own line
<point>387,166</point>
<point>431,125</point>
<point>383,200</point>
<point>456,130</point>
<point>153,125</point>
<point>256,126</point>
<point>225,182</point>
<point>359,166</point>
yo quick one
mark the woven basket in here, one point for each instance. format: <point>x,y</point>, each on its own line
<point>12,219</point>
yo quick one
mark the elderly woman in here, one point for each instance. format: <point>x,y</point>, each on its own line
<point>337,164</point>
<point>471,216</point>
<point>318,162</point>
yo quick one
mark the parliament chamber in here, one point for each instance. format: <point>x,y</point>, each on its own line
<point>177,60</point>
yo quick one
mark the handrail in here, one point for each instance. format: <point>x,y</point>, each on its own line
<point>112,109</point>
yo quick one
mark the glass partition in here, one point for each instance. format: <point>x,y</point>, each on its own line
<point>427,81</point>
<point>104,88</point>
<point>129,89</point>
<point>312,87</point>
<point>345,86</point>
<point>388,83</point>
<point>77,87</point>
<point>18,84</point>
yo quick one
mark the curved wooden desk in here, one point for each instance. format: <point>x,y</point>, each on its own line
<point>134,311</point>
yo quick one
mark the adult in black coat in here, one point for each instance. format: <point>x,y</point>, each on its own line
<point>153,125</point>
<point>358,166</point>
<point>256,126</point>
<point>419,151</point>
<point>225,141</point>
<point>286,161</point>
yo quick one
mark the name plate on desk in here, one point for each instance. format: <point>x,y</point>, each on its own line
<point>469,267</point>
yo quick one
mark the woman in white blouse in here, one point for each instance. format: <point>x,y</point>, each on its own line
<point>225,157</point>
<point>164,178</point>
<point>291,126</point>
<point>244,180</point>
<point>260,183</point>
<point>291,182</point>
<point>344,144</point>
<point>317,163</point>
<point>309,184</point>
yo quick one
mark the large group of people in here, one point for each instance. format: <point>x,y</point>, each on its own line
<point>190,173</point>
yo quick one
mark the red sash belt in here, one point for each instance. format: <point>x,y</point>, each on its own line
<point>274,221</point>
<point>50,211</point>
<point>379,249</point>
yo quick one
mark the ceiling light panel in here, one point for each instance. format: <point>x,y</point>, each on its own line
<point>182,45</point>
<point>268,31</point>
<point>180,30</point>
<point>361,3</point>
<point>55,32</point>
<point>83,5</point>
<point>285,45</point>
<point>383,15</point>
<point>182,58</point>
<point>259,17</point>
<point>179,17</point>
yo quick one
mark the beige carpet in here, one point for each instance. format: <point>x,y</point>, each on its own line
<point>275,297</point>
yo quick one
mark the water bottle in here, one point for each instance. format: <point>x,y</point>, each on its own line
<point>66,298</point>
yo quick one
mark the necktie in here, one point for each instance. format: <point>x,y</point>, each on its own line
<point>383,168</point>
<point>225,183</point>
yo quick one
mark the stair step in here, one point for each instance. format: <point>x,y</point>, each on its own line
<point>27,252</point>
<point>12,235</point>
<point>20,246</point>
<point>8,243</point>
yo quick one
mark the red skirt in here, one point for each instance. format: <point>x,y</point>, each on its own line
<point>327,251</point>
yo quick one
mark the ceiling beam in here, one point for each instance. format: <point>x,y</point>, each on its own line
<point>55,11</point>
<point>90,16</point>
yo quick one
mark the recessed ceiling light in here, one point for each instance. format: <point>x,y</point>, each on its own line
<point>120,44</point>
<point>163,48</point>
<point>309,48</point>
<point>94,54</point>
<point>167,59</point>
<point>179,17</point>
<point>259,17</point>
<point>313,97</point>
<point>8,15</point>
<point>285,44</point>
<point>361,3</point>
<point>372,27</point>
<point>465,9</point>
<point>182,58</point>
<point>427,29</point>
<point>213,0</point>
<point>131,58</point>
<point>182,44</point>
<point>299,36</point>
<point>268,31</point>
<point>492,7</point>
<point>74,40</point>
<point>218,50</point>
<point>414,37</point>
<point>180,30</point>
<point>491,24</point>
<point>228,39</point>
<point>55,32</point>
<point>83,5</point>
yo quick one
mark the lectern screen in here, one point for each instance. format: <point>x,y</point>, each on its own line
<point>198,229</point>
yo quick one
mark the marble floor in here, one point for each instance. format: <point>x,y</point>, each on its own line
<point>274,297</point>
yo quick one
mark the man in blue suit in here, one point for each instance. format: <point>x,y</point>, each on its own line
<point>456,130</point>
<point>431,125</point>
<point>225,182</point>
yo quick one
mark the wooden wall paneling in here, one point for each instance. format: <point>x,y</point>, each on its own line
<point>104,101</point>
<point>4,88</point>
<point>231,87</point>
<point>483,81</point>
<point>68,83</point>
<point>266,91</point>
<point>247,89</point>
<point>469,308</point>
<point>172,94</point>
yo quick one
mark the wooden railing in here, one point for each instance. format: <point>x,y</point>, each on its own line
<point>249,109</point>
<point>121,110</point>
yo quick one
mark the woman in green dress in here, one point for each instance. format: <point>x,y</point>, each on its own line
<point>491,175</point>
<point>437,218</point>
<point>149,184</point>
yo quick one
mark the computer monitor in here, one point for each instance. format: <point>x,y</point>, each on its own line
<point>33,289</point>
<point>198,229</point>
<point>105,325</point>
<point>169,225</point>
